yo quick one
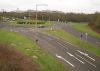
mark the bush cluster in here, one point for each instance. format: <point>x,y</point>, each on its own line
<point>23,22</point>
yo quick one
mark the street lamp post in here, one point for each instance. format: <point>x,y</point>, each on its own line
<point>37,9</point>
<point>37,14</point>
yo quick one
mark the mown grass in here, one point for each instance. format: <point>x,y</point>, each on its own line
<point>28,48</point>
<point>83,27</point>
<point>15,23</point>
<point>76,41</point>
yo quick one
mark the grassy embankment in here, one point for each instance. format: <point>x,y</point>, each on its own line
<point>76,41</point>
<point>85,29</point>
<point>28,48</point>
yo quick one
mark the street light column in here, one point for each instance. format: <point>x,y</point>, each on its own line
<point>36,15</point>
<point>37,11</point>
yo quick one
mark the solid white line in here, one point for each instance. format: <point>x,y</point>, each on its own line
<point>85,54</point>
<point>85,60</point>
<point>75,58</point>
<point>60,57</point>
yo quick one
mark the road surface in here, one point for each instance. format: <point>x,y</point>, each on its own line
<point>69,29</point>
<point>71,56</point>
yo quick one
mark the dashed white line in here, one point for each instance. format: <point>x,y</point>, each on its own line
<point>91,58</point>
<point>11,30</point>
<point>85,54</point>
<point>98,42</point>
<point>75,58</point>
<point>22,30</point>
<point>60,57</point>
<point>15,31</point>
<point>62,45</point>
<point>85,60</point>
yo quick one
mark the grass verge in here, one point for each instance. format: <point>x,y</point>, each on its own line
<point>28,48</point>
<point>85,29</point>
<point>70,38</point>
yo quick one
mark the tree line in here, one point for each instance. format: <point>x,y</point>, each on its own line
<point>55,16</point>
<point>95,20</point>
<point>50,15</point>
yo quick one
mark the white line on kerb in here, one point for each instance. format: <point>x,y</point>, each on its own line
<point>60,57</point>
<point>85,60</point>
<point>85,54</point>
<point>75,57</point>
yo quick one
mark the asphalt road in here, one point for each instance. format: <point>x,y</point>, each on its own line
<point>71,56</point>
<point>69,29</point>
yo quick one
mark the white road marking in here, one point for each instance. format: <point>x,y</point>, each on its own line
<point>11,30</point>
<point>15,31</point>
<point>49,38</point>
<point>85,54</point>
<point>60,57</point>
<point>22,30</point>
<point>75,58</point>
<point>98,42</point>
<point>86,60</point>
<point>62,45</point>
<point>30,29</point>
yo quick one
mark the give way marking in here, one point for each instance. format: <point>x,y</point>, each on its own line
<point>60,57</point>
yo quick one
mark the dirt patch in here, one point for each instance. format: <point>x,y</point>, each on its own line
<point>10,60</point>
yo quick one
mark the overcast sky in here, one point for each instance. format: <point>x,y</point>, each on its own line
<point>85,6</point>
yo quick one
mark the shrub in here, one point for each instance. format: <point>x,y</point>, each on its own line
<point>30,22</point>
<point>97,24</point>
